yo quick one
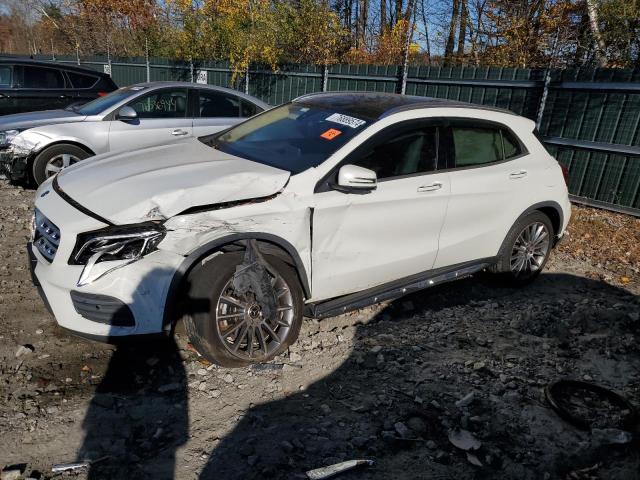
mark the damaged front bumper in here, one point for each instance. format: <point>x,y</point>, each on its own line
<point>130,303</point>
<point>13,165</point>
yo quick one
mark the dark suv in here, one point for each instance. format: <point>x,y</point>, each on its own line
<point>28,85</point>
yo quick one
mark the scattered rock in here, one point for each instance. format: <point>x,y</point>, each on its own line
<point>466,400</point>
<point>464,440</point>
<point>25,349</point>
<point>170,387</point>
<point>610,436</point>
<point>418,425</point>
<point>402,430</point>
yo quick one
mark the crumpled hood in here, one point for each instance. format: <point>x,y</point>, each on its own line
<point>160,182</point>
<point>22,121</point>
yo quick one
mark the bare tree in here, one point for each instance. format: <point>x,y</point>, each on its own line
<point>451,39</point>
<point>462,33</point>
<point>592,10</point>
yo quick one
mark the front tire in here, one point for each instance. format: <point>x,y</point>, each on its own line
<point>526,249</point>
<point>230,329</point>
<point>53,159</point>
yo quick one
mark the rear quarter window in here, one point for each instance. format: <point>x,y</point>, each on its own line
<point>475,145</point>
<point>80,80</point>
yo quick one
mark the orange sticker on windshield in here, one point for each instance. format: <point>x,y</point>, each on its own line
<point>331,134</point>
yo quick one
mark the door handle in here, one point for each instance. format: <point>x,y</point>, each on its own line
<point>178,132</point>
<point>64,96</point>
<point>431,187</point>
<point>518,174</point>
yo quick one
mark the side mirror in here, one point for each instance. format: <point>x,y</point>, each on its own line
<point>126,113</point>
<point>354,178</point>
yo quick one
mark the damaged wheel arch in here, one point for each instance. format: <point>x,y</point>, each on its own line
<point>268,244</point>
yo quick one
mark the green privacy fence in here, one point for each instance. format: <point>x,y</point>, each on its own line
<point>589,119</point>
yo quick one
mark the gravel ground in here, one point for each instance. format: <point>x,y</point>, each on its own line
<point>394,383</point>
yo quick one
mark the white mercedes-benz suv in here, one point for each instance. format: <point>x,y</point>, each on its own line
<point>322,205</point>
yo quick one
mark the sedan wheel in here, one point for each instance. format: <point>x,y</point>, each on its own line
<point>54,159</point>
<point>57,163</point>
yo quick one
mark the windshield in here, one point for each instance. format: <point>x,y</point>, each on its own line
<point>292,137</point>
<point>101,104</point>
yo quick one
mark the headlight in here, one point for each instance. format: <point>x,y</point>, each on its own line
<point>6,136</point>
<point>126,243</point>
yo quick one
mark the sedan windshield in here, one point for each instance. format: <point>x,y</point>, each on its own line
<point>292,137</point>
<point>99,105</point>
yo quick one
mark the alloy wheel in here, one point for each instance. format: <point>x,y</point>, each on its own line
<point>530,249</point>
<point>244,329</point>
<point>57,163</point>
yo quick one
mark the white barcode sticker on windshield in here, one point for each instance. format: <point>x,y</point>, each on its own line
<point>345,120</point>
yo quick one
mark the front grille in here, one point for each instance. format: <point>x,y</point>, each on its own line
<point>46,236</point>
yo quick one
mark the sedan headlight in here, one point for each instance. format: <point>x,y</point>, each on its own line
<point>6,136</point>
<point>125,244</point>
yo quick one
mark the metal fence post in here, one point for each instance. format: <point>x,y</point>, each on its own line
<point>325,77</point>
<point>146,55</point>
<point>543,98</point>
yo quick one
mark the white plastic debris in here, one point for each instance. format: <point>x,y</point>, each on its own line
<point>332,470</point>
<point>69,467</point>
<point>75,466</point>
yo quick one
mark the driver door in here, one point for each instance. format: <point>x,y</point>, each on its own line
<point>162,119</point>
<point>365,240</point>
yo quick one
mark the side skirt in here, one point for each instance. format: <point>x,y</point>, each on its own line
<point>396,289</point>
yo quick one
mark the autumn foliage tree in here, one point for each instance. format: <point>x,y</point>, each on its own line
<point>517,33</point>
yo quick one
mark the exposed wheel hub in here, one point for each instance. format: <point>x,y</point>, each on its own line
<point>254,315</point>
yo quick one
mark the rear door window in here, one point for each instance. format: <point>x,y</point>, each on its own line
<point>212,104</point>
<point>248,109</point>
<point>170,103</point>
<point>5,76</point>
<point>80,80</point>
<point>41,77</point>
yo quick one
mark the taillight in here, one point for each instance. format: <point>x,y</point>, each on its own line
<point>565,174</point>
<point>102,94</point>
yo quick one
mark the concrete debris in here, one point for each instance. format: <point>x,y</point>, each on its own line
<point>24,350</point>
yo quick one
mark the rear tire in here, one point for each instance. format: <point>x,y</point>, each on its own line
<point>525,250</point>
<point>228,328</point>
<point>53,159</point>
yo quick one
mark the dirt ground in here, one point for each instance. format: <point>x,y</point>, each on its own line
<point>390,383</point>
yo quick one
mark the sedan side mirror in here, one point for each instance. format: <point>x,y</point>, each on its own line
<point>126,113</point>
<point>354,178</point>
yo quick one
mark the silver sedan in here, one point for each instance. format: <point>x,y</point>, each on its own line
<point>138,116</point>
